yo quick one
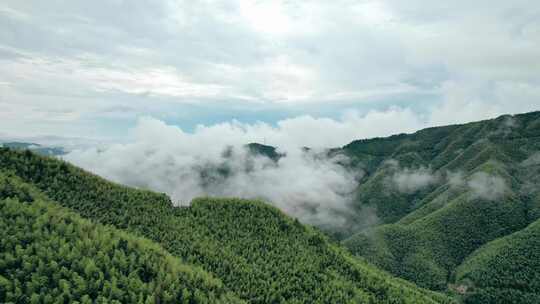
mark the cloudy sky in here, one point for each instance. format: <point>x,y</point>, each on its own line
<point>327,71</point>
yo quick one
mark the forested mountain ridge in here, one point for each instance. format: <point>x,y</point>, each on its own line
<point>441,194</point>
<point>507,140</point>
<point>260,254</point>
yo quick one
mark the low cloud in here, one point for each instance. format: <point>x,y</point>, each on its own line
<point>487,186</point>
<point>506,125</point>
<point>409,180</point>
<point>213,161</point>
<point>533,160</point>
<point>481,184</point>
<point>455,179</point>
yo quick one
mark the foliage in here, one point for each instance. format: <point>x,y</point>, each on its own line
<point>36,148</point>
<point>505,269</point>
<point>426,235</point>
<point>50,255</point>
<point>259,253</point>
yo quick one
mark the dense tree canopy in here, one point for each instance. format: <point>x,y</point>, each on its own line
<point>429,232</point>
<point>50,255</point>
<point>260,254</point>
<point>506,270</point>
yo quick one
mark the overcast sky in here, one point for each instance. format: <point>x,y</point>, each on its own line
<point>94,69</point>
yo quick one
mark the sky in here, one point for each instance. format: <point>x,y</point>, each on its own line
<point>323,72</point>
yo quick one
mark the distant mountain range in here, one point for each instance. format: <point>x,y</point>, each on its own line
<point>37,148</point>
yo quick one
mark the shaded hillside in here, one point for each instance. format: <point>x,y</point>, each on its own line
<point>259,253</point>
<point>51,255</point>
<point>505,270</point>
<point>442,193</point>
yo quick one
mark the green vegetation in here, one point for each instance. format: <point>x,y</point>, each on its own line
<point>51,255</point>
<point>426,234</point>
<point>504,270</point>
<point>259,254</point>
<point>36,148</point>
<point>263,150</point>
<point>507,140</point>
<point>465,220</point>
<point>429,249</point>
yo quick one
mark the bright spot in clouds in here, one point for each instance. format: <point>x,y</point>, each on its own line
<point>266,16</point>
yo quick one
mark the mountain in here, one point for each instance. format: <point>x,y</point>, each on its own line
<point>264,150</point>
<point>37,148</point>
<point>257,252</point>
<point>447,199</point>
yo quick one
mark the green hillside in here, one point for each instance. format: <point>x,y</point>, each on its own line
<point>259,254</point>
<point>482,187</point>
<point>50,255</point>
<point>505,270</point>
<point>508,140</point>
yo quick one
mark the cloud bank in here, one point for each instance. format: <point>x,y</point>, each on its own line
<point>213,161</point>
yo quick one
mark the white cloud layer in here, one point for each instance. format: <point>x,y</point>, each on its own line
<point>164,158</point>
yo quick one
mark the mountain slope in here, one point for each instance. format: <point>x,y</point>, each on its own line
<point>505,270</point>
<point>259,253</point>
<point>442,193</point>
<point>51,255</point>
<point>508,140</point>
